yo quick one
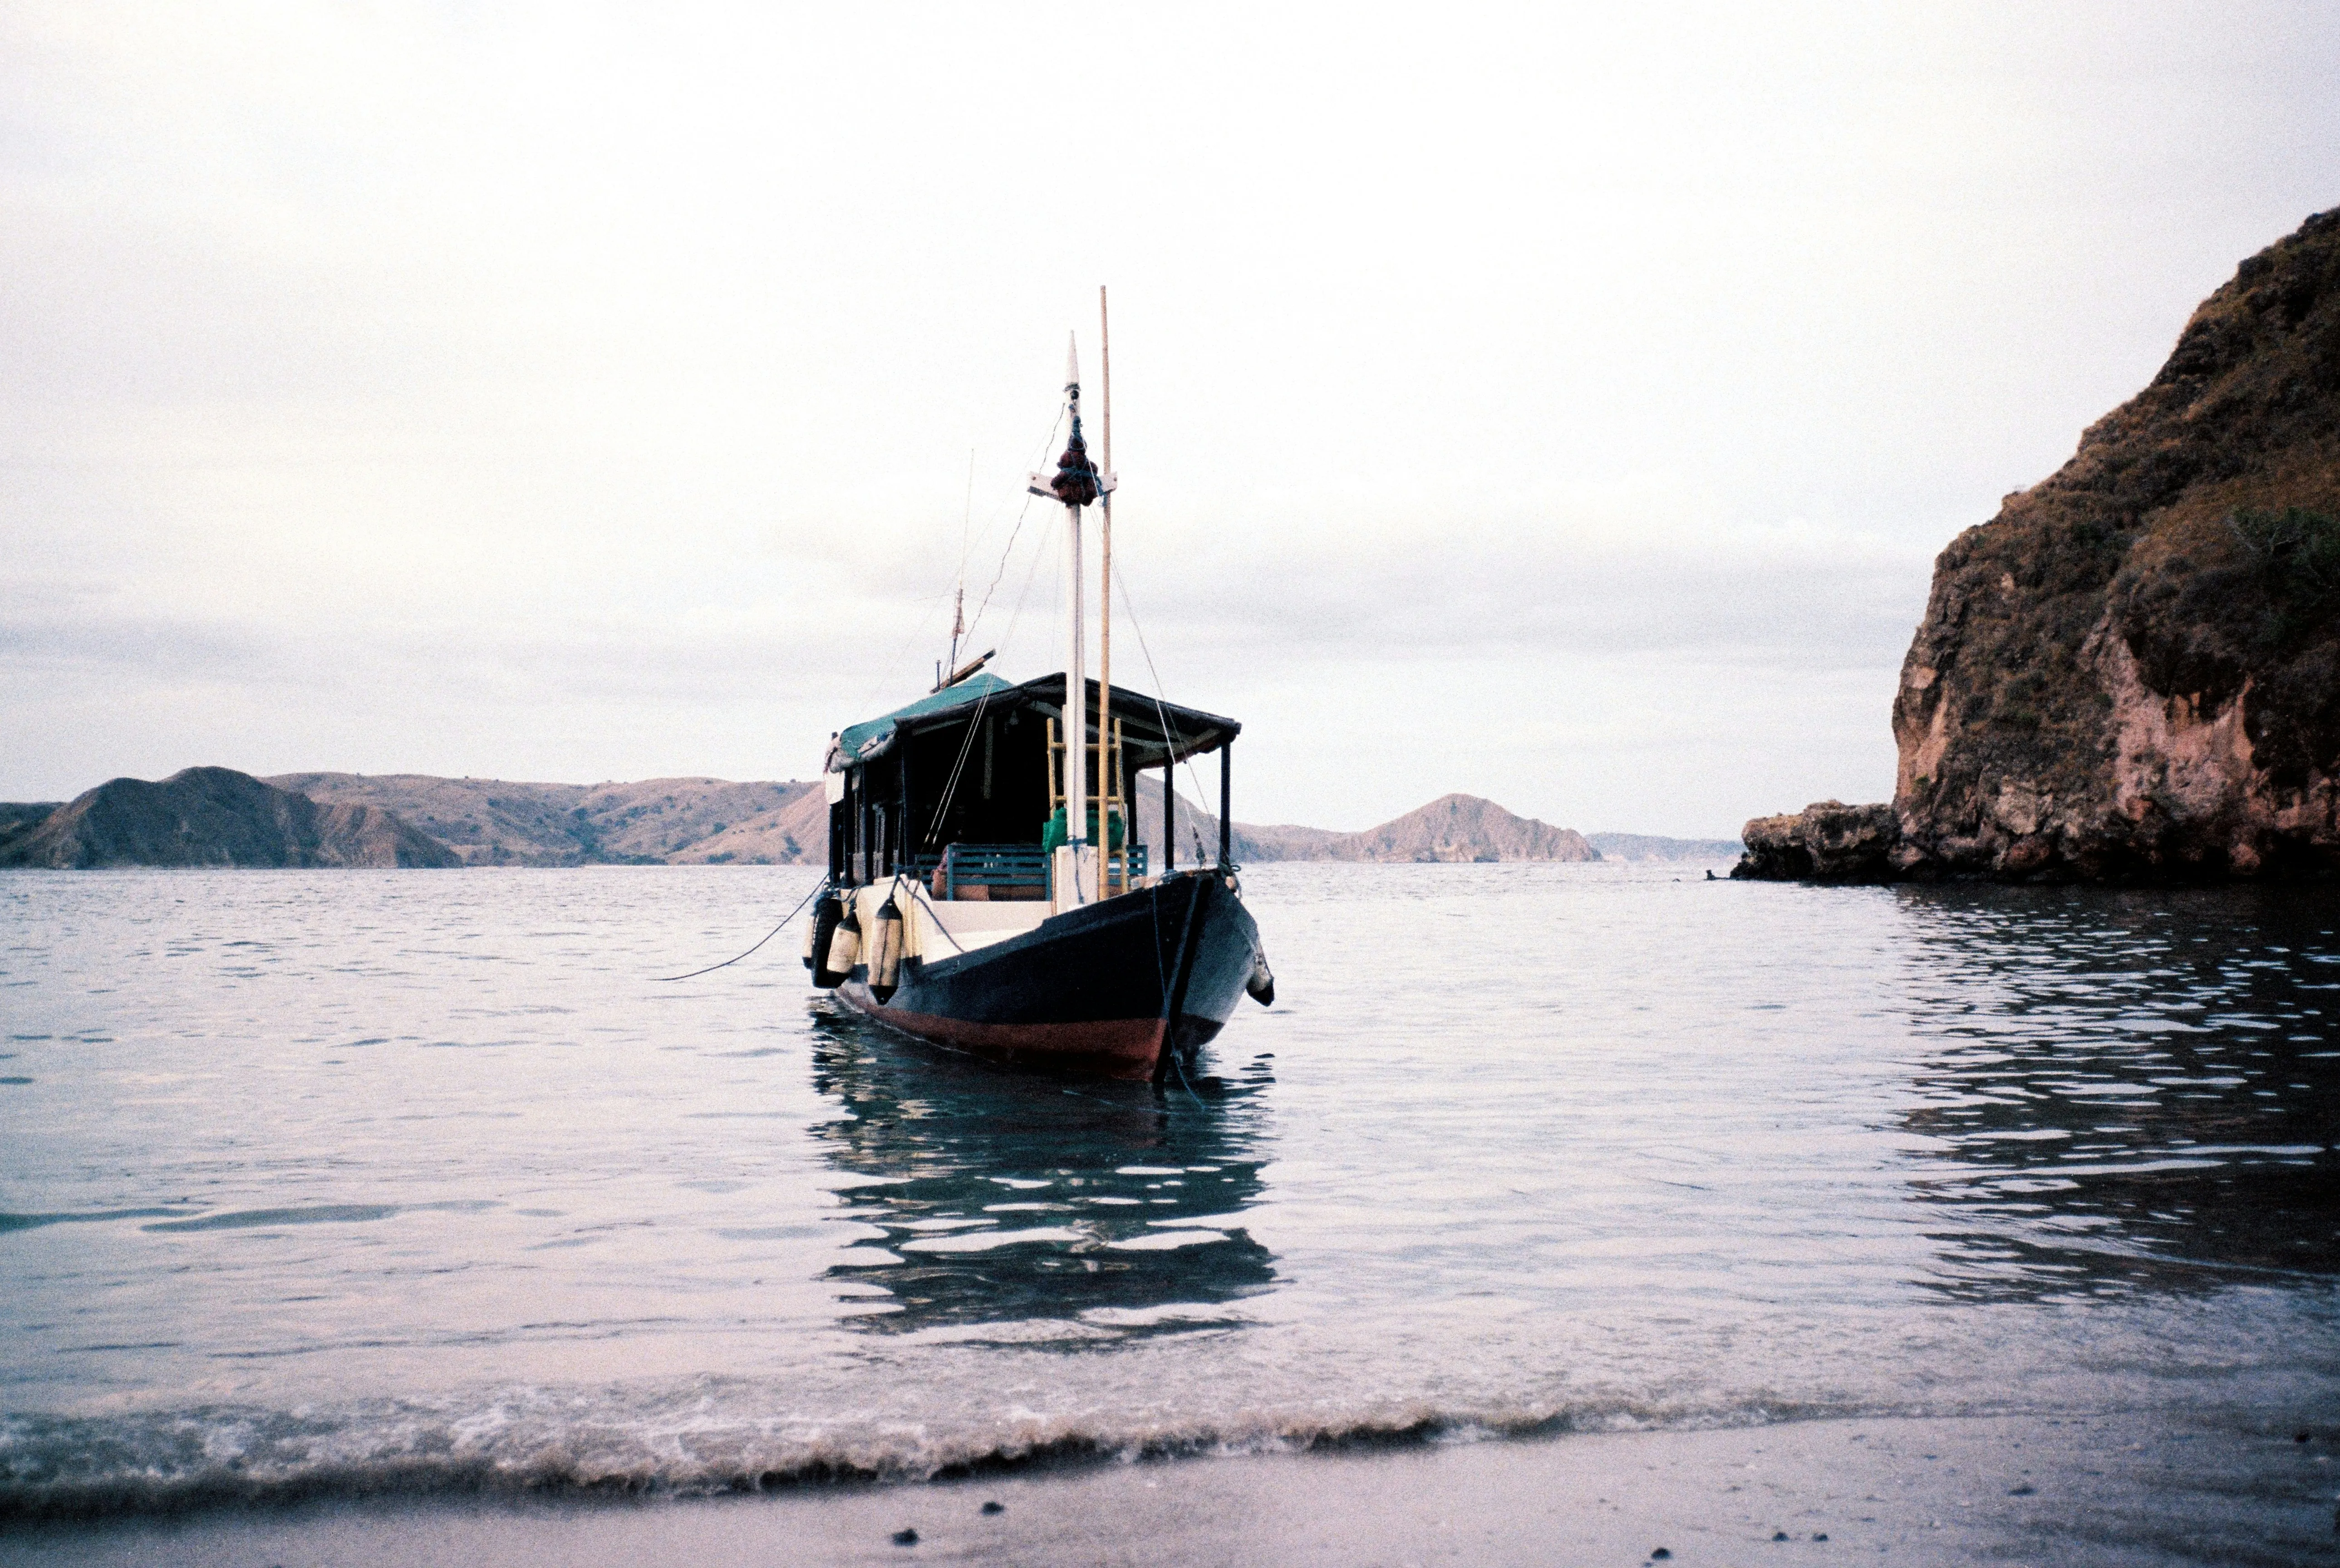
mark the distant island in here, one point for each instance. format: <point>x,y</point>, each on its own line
<point>2132,672</point>
<point>215,816</point>
<point>210,816</point>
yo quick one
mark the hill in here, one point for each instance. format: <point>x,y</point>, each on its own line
<point>1454,827</point>
<point>2133,671</point>
<point>1650,846</point>
<point>212,817</point>
<point>18,818</point>
<point>1461,827</point>
<point>654,822</point>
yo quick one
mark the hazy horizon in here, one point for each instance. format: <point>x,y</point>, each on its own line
<point>1559,407</point>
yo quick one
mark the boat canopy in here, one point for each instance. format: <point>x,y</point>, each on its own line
<point>1153,731</point>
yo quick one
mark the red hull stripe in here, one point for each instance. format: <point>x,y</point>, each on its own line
<point>1125,1047</point>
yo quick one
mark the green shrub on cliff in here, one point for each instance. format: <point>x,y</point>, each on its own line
<point>2297,553</point>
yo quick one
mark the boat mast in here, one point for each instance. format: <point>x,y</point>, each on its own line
<point>1104,604</point>
<point>1077,685</point>
<point>1075,484</point>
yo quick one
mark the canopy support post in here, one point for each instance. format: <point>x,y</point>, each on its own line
<point>840,840</point>
<point>1169,816</point>
<point>1227,802</point>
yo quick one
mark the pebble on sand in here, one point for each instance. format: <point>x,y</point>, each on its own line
<point>1660,1555</point>
<point>1778,1534</point>
<point>906,1537</point>
<point>994,1508</point>
<point>2026,1490</point>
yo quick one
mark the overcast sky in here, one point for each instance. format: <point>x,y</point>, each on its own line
<point>1559,405</point>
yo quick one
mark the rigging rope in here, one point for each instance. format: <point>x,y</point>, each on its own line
<point>1192,775</point>
<point>951,789</point>
<point>892,663</point>
<point>1010,549</point>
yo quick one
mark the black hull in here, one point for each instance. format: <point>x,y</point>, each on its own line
<point>1114,988</point>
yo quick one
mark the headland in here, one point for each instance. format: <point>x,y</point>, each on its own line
<point>2132,672</point>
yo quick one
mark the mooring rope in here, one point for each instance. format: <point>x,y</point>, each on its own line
<point>819,888</point>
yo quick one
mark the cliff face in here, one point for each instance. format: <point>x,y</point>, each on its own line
<point>2134,669</point>
<point>216,818</point>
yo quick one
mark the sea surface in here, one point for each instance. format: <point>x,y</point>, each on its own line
<point>347,1182</point>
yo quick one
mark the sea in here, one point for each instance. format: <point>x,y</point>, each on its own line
<point>319,1184</point>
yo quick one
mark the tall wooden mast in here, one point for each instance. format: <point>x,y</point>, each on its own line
<point>1105,602</point>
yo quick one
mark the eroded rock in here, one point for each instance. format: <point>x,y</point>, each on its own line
<point>1828,841</point>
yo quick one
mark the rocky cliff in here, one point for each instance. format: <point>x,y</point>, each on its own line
<point>2133,671</point>
<point>210,816</point>
<point>1828,841</point>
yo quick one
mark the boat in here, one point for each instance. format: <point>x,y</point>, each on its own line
<point>972,903</point>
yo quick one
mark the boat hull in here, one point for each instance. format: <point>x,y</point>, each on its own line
<point>1121,988</point>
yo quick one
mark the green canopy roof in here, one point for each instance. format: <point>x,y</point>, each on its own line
<point>1154,731</point>
<point>874,737</point>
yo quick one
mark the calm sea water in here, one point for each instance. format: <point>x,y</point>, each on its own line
<point>349,1181</point>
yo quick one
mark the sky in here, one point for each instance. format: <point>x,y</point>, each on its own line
<point>1561,405</point>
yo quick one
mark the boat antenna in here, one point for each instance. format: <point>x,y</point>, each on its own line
<point>965,533</point>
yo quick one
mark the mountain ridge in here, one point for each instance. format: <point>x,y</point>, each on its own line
<point>212,817</point>
<point>677,820</point>
<point>699,821</point>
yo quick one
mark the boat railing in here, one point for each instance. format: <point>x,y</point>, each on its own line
<point>1009,870</point>
<point>1016,870</point>
<point>1126,869</point>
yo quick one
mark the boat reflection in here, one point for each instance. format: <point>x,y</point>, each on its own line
<point>1034,1208</point>
<point>2131,1091</point>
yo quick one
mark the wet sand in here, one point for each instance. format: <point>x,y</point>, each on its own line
<point>2114,1488</point>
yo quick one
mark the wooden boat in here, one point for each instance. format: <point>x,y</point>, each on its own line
<point>969,905</point>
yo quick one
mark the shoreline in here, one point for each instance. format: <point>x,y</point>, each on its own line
<point>2118,1487</point>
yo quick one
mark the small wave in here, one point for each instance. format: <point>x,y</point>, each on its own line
<point>32,1221</point>
<point>311,1214</point>
<point>59,1467</point>
<point>317,1214</point>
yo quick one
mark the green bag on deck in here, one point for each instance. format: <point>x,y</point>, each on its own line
<point>1052,837</point>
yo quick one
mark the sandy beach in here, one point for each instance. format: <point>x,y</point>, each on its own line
<point>2107,1489</point>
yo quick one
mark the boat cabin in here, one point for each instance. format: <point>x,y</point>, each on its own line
<point>963,791</point>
